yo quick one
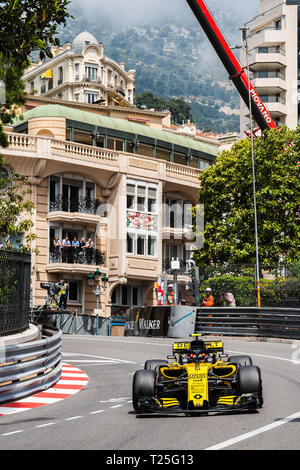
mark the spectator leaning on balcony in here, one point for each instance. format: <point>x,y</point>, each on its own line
<point>208,300</point>
<point>56,248</point>
<point>89,250</point>
<point>82,246</point>
<point>66,245</point>
<point>75,248</point>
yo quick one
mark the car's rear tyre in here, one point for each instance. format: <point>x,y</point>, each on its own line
<point>151,364</point>
<point>143,386</point>
<point>249,381</point>
<point>241,360</point>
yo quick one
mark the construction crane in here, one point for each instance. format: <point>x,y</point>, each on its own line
<point>236,72</point>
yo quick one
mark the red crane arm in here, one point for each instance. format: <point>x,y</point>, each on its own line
<point>236,72</point>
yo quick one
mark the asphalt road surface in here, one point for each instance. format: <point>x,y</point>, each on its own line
<point>100,416</point>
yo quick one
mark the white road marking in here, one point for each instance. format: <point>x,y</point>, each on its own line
<point>73,417</point>
<point>264,355</point>
<point>255,432</point>
<point>72,382</point>
<point>12,432</point>
<point>63,391</point>
<point>114,400</point>
<point>100,358</point>
<point>44,425</point>
<point>39,400</point>
<point>9,410</point>
<point>95,412</point>
<point>116,406</point>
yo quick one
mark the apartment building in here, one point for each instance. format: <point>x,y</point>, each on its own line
<point>123,182</point>
<point>79,71</point>
<point>273,44</point>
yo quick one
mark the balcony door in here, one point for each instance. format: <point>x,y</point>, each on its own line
<point>70,196</point>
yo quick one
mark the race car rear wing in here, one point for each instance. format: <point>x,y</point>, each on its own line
<point>203,346</point>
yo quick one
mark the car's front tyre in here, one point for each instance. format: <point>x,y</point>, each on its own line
<point>143,386</point>
<point>249,381</point>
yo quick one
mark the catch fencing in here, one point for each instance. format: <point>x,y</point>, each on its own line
<point>29,368</point>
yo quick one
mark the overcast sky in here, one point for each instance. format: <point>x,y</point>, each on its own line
<point>135,11</point>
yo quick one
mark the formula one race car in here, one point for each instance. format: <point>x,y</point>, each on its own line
<point>201,379</point>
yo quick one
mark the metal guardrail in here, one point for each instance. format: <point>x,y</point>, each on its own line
<point>268,322</point>
<point>29,368</point>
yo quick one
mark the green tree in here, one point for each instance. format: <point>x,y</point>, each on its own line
<point>180,110</point>
<point>15,211</point>
<point>227,194</point>
<point>25,26</point>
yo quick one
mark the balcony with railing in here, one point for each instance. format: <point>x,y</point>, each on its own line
<point>270,36</point>
<point>79,210</point>
<point>71,259</point>
<point>79,155</point>
<point>273,81</point>
<point>91,79</point>
<point>273,55</point>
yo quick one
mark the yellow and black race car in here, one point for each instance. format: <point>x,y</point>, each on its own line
<point>201,379</point>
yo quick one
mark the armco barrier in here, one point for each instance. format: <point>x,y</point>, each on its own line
<point>29,368</point>
<point>269,322</point>
<point>181,321</point>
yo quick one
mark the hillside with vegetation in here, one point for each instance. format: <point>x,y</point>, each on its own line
<point>174,60</point>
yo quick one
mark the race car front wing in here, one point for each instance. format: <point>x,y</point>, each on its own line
<point>229,404</point>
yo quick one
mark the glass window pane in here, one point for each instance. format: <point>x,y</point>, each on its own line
<point>130,202</point>
<point>130,243</point>
<point>151,246</point>
<point>131,189</point>
<point>141,191</point>
<point>140,245</point>
<point>141,204</point>
<point>124,295</point>
<point>151,205</point>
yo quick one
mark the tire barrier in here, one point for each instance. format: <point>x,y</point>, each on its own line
<point>29,368</point>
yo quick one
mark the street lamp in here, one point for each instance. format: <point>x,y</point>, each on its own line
<point>94,280</point>
<point>244,37</point>
<point>245,46</point>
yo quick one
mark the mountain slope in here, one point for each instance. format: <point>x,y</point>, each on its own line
<point>173,58</point>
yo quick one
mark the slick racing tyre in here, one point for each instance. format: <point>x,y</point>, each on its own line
<point>249,381</point>
<point>241,360</point>
<point>143,386</point>
<point>151,364</point>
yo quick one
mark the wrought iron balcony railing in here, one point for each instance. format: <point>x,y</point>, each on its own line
<point>72,255</point>
<point>81,204</point>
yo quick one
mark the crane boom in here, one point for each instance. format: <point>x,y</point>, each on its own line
<point>236,72</point>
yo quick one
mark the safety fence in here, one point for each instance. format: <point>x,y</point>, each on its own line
<point>14,291</point>
<point>249,321</point>
<point>182,321</point>
<point>82,324</point>
<point>31,367</point>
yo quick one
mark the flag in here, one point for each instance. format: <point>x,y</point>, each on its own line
<point>47,74</point>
